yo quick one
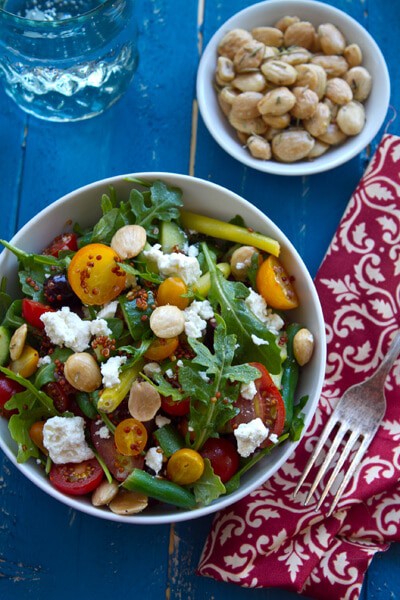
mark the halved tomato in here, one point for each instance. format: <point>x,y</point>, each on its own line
<point>275,285</point>
<point>266,404</point>
<point>8,388</point>
<point>32,311</point>
<point>77,479</point>
<point>120,466</point>
<point>175,408</point>
<point>223,457</point>
<point>65,241</point>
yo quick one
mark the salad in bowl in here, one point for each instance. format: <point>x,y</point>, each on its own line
<point>161,360</point>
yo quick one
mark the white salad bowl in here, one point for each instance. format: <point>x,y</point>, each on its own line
<point>83,206</point>
<point>266,14</point>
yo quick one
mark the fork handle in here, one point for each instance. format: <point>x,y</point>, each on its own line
<point>388,359</point>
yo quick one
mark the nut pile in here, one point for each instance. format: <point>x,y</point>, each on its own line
<point>291,91</point>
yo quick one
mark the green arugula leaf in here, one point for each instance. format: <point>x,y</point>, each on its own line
<point>138,327</point>
<point>164,387</point>
<point>19,424</point>
<point>135,352</point>
<point>252,270</point>
<point>297,424</point>
<point>45,373</point>
<point>214,398</point>
<point>13,318</point>
<point>209,487</point>
<point>145,274</point>
<point>230,297</point>
<point>44,399</point>
<point>5,299</point>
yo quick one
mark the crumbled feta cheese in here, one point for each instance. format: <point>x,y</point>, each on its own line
<point>204,376</point>
<point>258,341</point>
<point>179,363</point>
<point>248,390</point>
<point>99,327</point>
<point>196,316</point>
<point>64,438</point>
<point>273,438</point>
<point>44,360</point>
<point>110,370</point>
<point>161,421</point>
<point>249,436</point>
<point>66,328</point>
<point>274,322</point>
<point>154,459</point>
<point>193,251</point>
<point>151,369</point>
<point>174,264</point>
<point>169,373</point>
<point>256,303</point>
<point>108,311</point>
<point>103,432</point>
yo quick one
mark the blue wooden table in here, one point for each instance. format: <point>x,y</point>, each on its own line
<point>46,550</point>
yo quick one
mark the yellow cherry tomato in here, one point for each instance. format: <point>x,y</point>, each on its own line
<point>36,435</point>
<point>170,292</point>
<point>94,274</point>
<point>161,348</point>
<point>130,437</point>
<point>274,285</point>
<point>185,466</point>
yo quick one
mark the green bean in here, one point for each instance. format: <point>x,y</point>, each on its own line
<point>290,375</point>
<point>160,489</point>
<point>169,439</point>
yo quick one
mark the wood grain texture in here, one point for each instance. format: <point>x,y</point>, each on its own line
<point>47,550</point>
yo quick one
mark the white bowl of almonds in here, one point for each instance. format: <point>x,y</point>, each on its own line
<point>292,87</point>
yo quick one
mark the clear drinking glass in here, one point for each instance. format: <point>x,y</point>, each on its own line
<point>67,60</point>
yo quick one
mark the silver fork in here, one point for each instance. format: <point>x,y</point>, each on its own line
<point>358,415</point>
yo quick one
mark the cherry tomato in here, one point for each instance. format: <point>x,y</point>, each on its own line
<point>32,311</point>
<point>274,285</point>
<point>161,348</point>
<point>120,466</point>
<point>59,396</point>
<point>185,466</point>
<point>130,437</point>
<point>36,435</point>
<point>77,479</point>
<point>175,408</point>
<point>266,404</point>
<point>8,388</point>
<point>223,457</point>
<point>170,292</point>
<point>94,274</point>
<point>65,241</point>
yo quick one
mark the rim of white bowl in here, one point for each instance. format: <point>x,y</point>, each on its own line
<point>345,152</point>
<point>177,516</point>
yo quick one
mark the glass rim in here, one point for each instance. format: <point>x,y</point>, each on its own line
<point>56,22</point>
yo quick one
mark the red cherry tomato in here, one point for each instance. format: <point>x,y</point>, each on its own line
<point>223,457</point>
<point>120,466</point>
<point>175,408</point>
<point>32,311</point>
<point>77,479</point>
<point>266,404</point>
<point>59,396</point>
<point>65,241</point>
<point>8,388</point>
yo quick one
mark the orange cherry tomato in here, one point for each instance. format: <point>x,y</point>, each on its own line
<point>170,292</point>
<point>130,437</point>
<point>94,274</point>
<point>185,466</point>
<point>161,348</point>
<point>36,435</point>
<point>274,285</point>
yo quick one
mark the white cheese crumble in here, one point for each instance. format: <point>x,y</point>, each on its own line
<point>256,303</point>
<point>249,436</point>
<point>110,370</point>
<point>64,438</point>
<point>103,433</point>
<point>258,341</point>
<point>44,360</point>
<point>248,390</point>
<point>193,251</point>
<point>169,373</point>
<point>161,421</point>
<point>66,328</point>
<point>204,376</point>
<point>196,316</point>
<point>154,459</point>
<point>174,264</point>
<point>273,438</point>
<point>108,311</point>
<point>179,363</point>
<point>151,368</point>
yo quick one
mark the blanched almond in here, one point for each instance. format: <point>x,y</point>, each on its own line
<point>144,401</point>
<point>128,503</point>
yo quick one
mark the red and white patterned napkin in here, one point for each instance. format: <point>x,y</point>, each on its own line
<point>270,540</point>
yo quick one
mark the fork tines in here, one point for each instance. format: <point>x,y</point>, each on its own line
<point>354,437</point>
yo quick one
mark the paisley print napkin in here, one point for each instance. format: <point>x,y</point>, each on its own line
<point>270,540</point>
